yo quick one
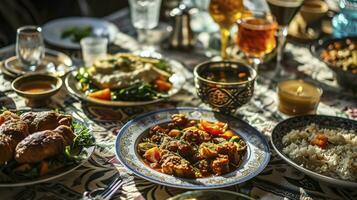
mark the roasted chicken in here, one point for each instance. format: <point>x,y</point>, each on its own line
<point>12,131</point>
<point>33,136</point>
<point>40,121</point>
<point>44,144</point>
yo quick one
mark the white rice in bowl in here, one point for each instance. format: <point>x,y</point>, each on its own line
<point>338,159</point>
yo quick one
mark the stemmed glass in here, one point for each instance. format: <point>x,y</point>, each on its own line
<point>30,48</point>
<point>284,11</point>
<point>225,13</point>
<point>256,36</point>
<point>145,16</point>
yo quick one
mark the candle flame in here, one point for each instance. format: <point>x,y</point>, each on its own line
<point>299,90</point>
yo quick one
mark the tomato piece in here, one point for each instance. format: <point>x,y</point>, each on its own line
<point>320,140</point>
<point>153,155</point>
<point>162,86</point>
<point>213,128</point>
<point>104,94</point>
<point>228,134</point>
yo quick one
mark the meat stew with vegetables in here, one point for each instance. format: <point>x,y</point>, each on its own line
<point>192,148</point>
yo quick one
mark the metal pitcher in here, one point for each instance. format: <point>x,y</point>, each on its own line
<point>182,36</point>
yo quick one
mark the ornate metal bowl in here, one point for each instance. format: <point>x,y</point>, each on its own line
<point>224,97</point>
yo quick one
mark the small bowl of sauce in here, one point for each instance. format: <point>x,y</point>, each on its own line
<point>37,88</point>
<point>224,85</point>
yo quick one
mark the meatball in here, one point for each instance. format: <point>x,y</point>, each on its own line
<point>220,165</point>
<point>178,120</point>
<point>185,149</point>
<point>157,130</point>
<point>175,165</point>
<point>193,136</point>
<point>232,151</point>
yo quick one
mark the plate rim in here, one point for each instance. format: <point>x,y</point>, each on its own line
<point>263,165</point>
<point>74,45</point>
<point>91,150</point>
<point>321,177</point>
<point>123,103</point>
<point>48,51</point>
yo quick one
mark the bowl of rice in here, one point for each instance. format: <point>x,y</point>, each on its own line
<point>323,147</point>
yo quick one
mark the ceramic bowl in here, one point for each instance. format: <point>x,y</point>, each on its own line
<point>224,97</point>
<point>344,78</point>
<point>253,163</point>
<point>36,99</point>
<point>300,122</point>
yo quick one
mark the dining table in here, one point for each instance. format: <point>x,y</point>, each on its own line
<point>278,180</point>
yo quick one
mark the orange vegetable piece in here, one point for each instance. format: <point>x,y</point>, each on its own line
<point>228,134</point>
<point>217,128</point>
<point>43,168</point>
<point>101,94</point>
<point>153,155</point>
<point>162,85</point>
<point>320,140</point>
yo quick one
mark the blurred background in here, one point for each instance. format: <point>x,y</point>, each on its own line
<point>16,13</point>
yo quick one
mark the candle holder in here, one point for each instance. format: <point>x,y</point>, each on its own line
<point>297,97</point>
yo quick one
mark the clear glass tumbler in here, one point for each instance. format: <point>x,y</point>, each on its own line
<point>93,48</point>
<point>30,48</point>
<point>144,16</point>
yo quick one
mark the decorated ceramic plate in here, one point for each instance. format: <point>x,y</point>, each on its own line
<point>253,162</point>
<point>328,136</point>
<point>61,165</point>
<point>177,80</point>
<point>67,32</point>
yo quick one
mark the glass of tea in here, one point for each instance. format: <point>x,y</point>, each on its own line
<point>225,13</point>
<point>30,48</point>
<point>256,36</point>
<point>284,11</point>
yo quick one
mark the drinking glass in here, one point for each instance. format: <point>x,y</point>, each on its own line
<point>284,11</point>
<point>256,36</point>
<point>145,16</point>
<point>225,13</point>
<point>30,48</point>
<point>93,48</point>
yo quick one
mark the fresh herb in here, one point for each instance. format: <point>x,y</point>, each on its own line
<point>163,65</point>
<point>83,137</point>
<point>137,92</point>
<point>85,82</point>
<point>75,34</point>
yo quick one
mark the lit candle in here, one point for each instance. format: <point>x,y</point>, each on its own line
<point>297,97</point>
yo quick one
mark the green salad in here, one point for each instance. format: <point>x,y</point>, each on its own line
<point>75,34</point>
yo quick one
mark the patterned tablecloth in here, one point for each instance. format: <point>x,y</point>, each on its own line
<point>278,181</point>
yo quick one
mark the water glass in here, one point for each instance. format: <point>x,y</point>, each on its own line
<point>145,13</point>
<point>93,48</point>
<point>145,16</point>
<point>30,48</point>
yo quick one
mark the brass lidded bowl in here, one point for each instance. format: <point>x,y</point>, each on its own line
<point>224,96</point>
<point>37,88</point>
